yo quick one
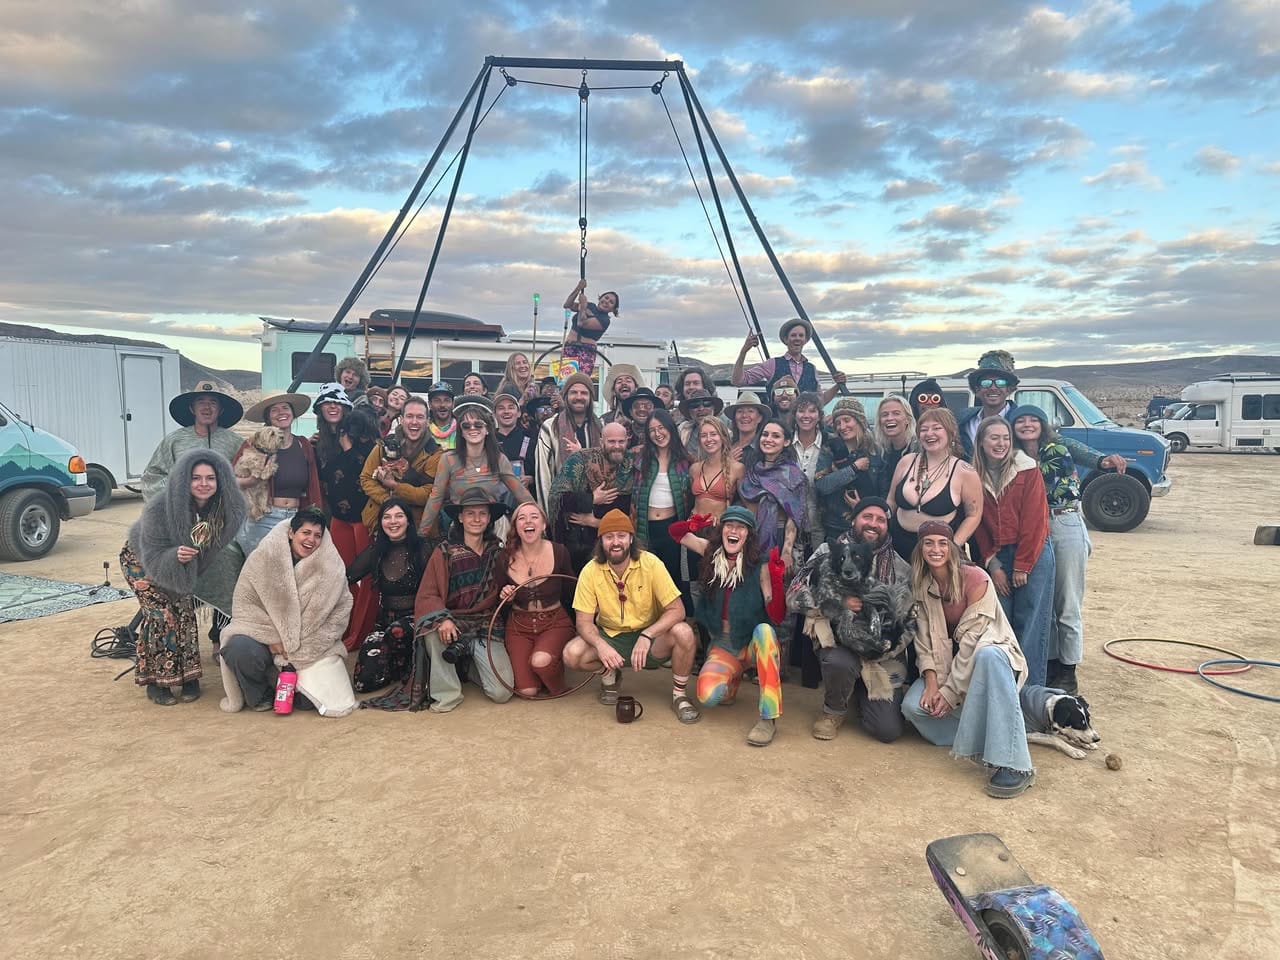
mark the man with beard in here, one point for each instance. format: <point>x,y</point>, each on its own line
<point>636,410</point>
<point>630,611</point>
<point>621,383</point>
<point>590,484</point>
<point>875,686</point>
<point>444,428</point>
<point>563,435</point>
<point>695,407</point>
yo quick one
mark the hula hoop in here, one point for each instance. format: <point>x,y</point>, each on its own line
<point>1209,674</point>
<point>488,645</point>
<point>1106,648</point>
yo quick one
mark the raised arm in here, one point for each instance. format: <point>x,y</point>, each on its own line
<point>738,378</point>
<point>575,299</point>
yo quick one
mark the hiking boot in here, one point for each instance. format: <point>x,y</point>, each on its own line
<point>827,726</point>
<point>761,734</point>
<point>610,683</point>
<point>1066,679</point>
<point>1005,784</point>
<point>190,691</point>
<point>160,696</point>
<point>1052,670</point>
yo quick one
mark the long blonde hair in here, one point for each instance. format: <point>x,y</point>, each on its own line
<point>883,444</point>
<point>723,432</point>
<point>922,576</point>
<point>509,375</point>
<point>1004,471</point>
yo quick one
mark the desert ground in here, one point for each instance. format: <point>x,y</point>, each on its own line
<point>549,830</point>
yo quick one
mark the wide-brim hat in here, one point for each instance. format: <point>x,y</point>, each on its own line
<point>749,398</point>
<point>700,395</point>
<point>230,410</point>
<point>475,497</point>
<point>795,321</point>
<point>642,393</point>
<point>331,393</point>
<point>993,362</point>
<point>298,402</point>
<point>622,370</point>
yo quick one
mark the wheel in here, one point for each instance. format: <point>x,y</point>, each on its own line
<point>1177,442</point>
<point>29,525</point>
<point>1008,937</point>
<point>1115,502</point>
<point>100,480</point>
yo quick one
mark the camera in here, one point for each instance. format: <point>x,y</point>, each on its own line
<point>457,651</point>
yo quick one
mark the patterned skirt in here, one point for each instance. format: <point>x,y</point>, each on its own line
<point>168,641</point>
<point>583,353</point>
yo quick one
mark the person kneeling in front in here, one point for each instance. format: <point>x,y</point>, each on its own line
<point>628,608</point>
<point>291,606</point>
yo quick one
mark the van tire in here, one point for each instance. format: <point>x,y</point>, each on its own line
<point>103,487</point>
<point>1178,443</point>
<point>29,524</point>
<point>1115,502</point>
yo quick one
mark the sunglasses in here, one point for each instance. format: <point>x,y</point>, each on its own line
<point>786,390</point>
<point>992,382</point>
<point>701,405</point>
<point>928,399</point>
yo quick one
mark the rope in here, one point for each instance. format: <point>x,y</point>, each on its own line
<point>714,235</point>
<point>115,643</point>
<point>1106,648</point>
<point>488,646</point>
<point>584,140</point>
<point>1209,674</point>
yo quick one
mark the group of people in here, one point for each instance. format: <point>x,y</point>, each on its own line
<point>502,537</point>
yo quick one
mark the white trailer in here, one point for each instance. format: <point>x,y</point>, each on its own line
<point>1236,411</point>
<point>109,400</point>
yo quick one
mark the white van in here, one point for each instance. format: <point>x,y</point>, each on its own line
<point>1236,411</point>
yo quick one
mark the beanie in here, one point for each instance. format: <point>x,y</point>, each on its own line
<point>865,502</point>
<point>615,521</point>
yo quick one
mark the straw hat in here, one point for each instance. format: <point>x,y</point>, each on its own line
<point>298,402</point>
<point>749,398</point>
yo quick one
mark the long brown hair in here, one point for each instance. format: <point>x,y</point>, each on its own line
<point>922,576</point>
<point>1007,470</point>
<point>491,451</point>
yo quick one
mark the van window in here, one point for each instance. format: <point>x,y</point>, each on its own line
<point>320,370</point>
<point>1251,407</point>
<point>1047,401</point>
<point>1204,411</point>
<point>1271,406</point>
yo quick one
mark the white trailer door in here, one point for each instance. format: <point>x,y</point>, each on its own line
<point>144,410</point>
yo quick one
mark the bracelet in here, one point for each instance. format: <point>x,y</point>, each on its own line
<point>645,636</point>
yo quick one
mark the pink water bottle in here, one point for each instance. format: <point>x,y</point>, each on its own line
<point>285,686</point>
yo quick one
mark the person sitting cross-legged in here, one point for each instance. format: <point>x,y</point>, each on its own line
<point>740,600</point>
<point>629,609</point>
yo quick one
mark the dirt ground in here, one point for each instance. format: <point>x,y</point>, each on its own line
<point>549,830</point>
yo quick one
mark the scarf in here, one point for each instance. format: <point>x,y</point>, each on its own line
<point>566,428</point>
<point>778,489</point>
<point>882,561</point>
<point>447,437</point>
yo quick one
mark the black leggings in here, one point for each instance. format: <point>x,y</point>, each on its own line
<point>668,551</point>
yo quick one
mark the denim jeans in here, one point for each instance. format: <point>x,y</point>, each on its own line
<point>1071,550</point>
<point>253,531</point>
<point>1030,609</point>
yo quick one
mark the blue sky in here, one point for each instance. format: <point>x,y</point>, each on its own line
<point>1071,181</point>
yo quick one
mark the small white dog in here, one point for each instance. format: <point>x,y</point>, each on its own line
<point>259,462</point>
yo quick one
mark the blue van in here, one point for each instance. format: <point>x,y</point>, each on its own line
<point>43,481</point>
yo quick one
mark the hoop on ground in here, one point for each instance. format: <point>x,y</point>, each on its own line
<point>1210,674</point>
<point>488,645</point>
<point>1106,648</point>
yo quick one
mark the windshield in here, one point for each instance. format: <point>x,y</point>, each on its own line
<point>1091,414</point>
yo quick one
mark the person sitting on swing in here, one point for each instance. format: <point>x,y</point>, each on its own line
<point>590,321</point>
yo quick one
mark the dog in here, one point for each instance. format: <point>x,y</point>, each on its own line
<point>842,569</point>
<point>1069,727</point>
<point>393,462</point>
<point>259,462</point>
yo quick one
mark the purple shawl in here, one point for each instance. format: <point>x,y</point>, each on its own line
<point>773,486</point>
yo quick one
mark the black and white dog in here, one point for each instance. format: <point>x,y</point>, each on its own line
<point>842,569</point>
<point>1067,727</point>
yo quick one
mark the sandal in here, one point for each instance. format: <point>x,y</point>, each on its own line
<point>685,709</point>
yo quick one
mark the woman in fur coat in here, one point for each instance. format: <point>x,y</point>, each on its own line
<point>179,536</point>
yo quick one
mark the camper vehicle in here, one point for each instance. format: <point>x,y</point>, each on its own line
<point>42,483</point>
<point>107,399</point>
<point>1236,411</point>
<point>444,347</point>
<point>1112,502</point>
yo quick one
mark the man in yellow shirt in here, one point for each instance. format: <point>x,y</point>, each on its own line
<point>629,609</point>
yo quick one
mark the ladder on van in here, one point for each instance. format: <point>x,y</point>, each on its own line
<point>379,349</point>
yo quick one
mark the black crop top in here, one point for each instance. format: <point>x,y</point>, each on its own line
<point>599,316</point>
<point>939,505</point>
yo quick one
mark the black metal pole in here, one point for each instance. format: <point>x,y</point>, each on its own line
<point>561,63</point>
<point>724,222</point>
<point>391,231</point>
<point>444,221</point>
<point>764,241</point>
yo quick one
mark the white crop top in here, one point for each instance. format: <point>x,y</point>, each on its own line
<point>660,493</point>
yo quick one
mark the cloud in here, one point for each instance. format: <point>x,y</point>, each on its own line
<point>909,188</point>
<point>1214,161</point>
<point>953,218</point>
<point>1130,172</point>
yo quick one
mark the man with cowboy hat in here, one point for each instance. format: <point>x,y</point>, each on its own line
<point>206,415</point>
<point>746,414</point>
<point>794,334</point>
<point>630,611</point>
<point>636,410</point>
<point>695,406</point>
<point>622,381</point>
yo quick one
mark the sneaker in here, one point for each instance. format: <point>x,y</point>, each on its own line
<point>827,726</point>
<point>761,734</point>
<point>264,705</point>
<point>610,683</point>
<point>1005,784</point>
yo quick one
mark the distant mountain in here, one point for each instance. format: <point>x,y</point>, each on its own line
<point>1174,374</point>
<point>240,381</point>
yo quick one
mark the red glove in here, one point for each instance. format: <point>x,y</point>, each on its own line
<point>700,520</point>
<point>678,530</point>
<point>776,608</point>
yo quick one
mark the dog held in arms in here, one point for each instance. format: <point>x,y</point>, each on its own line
<point>259,462</point>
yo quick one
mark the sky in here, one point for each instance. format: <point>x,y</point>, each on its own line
<point>1074,181</point>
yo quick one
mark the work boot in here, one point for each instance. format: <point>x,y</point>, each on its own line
<point>1066,679</point>
<point>827,726</point>
<point>1052,670</point>
<point>1005,784</point>
<point>761,734</point>
<point>159,695</point>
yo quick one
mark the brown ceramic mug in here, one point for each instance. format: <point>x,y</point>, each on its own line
<point>628,709</point>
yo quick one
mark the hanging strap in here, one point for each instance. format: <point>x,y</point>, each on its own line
<point>584,135</point>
